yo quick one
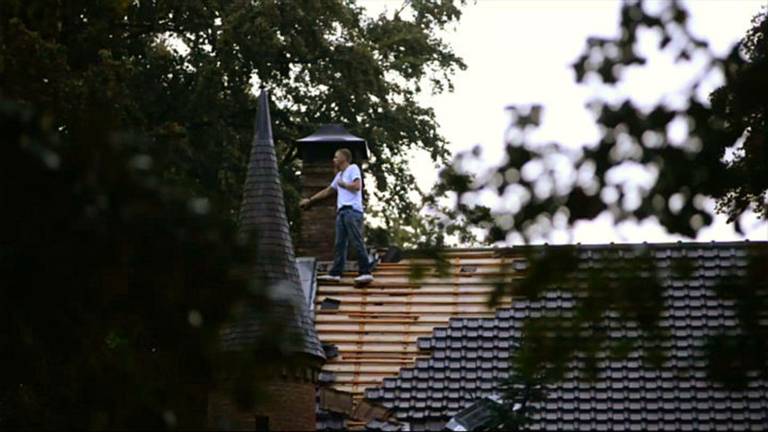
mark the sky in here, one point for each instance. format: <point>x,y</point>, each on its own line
<point>519,52</point>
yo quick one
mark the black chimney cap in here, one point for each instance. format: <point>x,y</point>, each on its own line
<point>329,138</point>
<point>331,132</point>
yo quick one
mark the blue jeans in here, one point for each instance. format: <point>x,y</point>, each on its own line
<point>349,227</point>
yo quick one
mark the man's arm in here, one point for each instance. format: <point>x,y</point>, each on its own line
<point>353,186</point>
<point>352,173</point>
<point>323,194</point>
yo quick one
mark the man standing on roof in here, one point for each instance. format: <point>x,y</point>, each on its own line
<point>348,187</point>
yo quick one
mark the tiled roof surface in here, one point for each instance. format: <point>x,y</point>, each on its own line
<point>469,356</point>
<point>376,328</point>
<point>263,212</point>
<point>397,332</point>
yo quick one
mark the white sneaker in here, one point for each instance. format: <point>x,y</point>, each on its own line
<point>329,278</point>
<point>364,278</point>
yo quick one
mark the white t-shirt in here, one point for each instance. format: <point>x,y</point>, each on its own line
<point>345,197</point>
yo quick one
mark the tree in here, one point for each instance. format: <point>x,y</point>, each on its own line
<point>128,127</point>
<point>683,174</point>
<point>432,226</point>
<point>114,284</point>
<point>723,157</point>
<point>182,74</point>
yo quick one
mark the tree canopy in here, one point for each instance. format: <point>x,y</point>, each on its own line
<point>114,284</point>
<point>722,155</point>
<point>183,74</point>
<point>128,127</point>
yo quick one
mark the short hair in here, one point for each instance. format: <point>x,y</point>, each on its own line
<point>346,153</point>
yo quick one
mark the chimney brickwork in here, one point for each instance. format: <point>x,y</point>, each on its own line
<point>318,229</point>
<point>318,224</point>
<point>288,405</point>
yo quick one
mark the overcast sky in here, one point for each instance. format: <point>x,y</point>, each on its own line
<point>519,52</point>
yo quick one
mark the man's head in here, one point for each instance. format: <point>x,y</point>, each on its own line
<point>342,158</point>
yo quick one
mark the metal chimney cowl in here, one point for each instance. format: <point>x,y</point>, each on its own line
<point>321,145</point>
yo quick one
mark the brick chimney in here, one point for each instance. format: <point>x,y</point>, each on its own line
<point>316,151</point>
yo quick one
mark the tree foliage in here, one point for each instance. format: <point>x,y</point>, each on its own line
<point>128,126</point>
<point>183,73</point>
<point>613,308</point>
<point>114,284</point>
<point>432,226</point>
<point>545,186</point>
<point>723,155</point>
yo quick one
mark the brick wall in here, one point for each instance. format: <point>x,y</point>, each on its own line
<point>318,224</point>
<point>289,406</point>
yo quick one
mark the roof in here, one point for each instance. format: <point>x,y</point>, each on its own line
<point>376,329</point>
<point>262,214</point>
<point>332,132</point>
<point>466,350</point>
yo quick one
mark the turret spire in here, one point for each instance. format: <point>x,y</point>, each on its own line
<point>262,215</point>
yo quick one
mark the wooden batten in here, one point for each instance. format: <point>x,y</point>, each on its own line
<point>376,328</point>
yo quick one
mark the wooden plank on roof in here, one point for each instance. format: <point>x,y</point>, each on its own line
<point>414,317</point>
<point>448,293</point>
<point>452,260</point>
<point>356,311</point>
<point>393,283</point>
<point>437,283</point>
<point>433,320</point>
<point>405,277</point>
<point>377,348</point>
<point>341,290</point>
<point>363,379</point>
<point>361,368</point>
<point>345,319</point>
<point>369,338</point>
<point>372,360</point>
<point>403,358</point>
<point>467,269</point>
<point>375,327</point>
<point>447,299</point>
<point>415,308</point>
<point>471,279</point>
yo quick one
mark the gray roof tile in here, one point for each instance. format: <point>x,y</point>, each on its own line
<point>263,211</point>
<point>629,395</point>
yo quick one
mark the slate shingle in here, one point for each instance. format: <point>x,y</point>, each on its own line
<point>629,395</point>
<point>263,212</point>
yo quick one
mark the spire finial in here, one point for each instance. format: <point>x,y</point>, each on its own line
<point>263,117</point>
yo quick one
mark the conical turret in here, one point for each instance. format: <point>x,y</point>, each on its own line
<point>262,216</point>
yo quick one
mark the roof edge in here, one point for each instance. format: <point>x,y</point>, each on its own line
<point>415,253</point>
